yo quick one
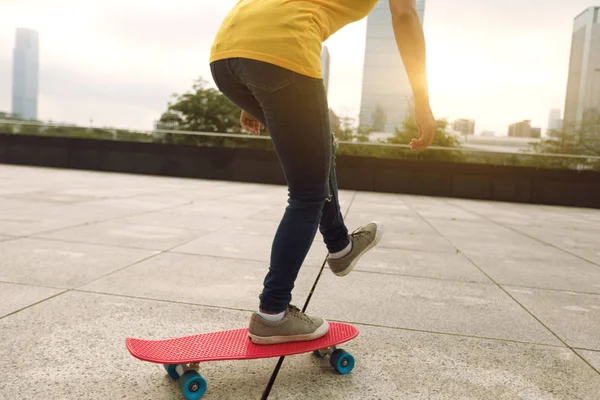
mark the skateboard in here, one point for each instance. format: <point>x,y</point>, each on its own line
<point>181,356</point>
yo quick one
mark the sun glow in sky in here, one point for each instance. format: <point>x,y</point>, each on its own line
<point>117,61</point>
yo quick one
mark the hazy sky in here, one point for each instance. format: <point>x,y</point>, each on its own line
<point>118,61</point>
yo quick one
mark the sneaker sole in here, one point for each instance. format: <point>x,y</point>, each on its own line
<point>262,340</point>
<point>378,236</point>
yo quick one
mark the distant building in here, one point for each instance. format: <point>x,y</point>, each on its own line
<point>25,74</point>
<point>498,144</point>
<point>524,129</point>
<point>554,120</point>
<point>385,83</point>
<point>5,115</point>
<point>325,60</point>
<point>583,87</point>
<point>488,133</point>
<point>464,126</point>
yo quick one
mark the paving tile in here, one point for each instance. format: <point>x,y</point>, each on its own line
<point>144,202</point>
<point>217,208</point>
<point>490,240</point>
<point>53,197</point>
<point>117,233</point>
<point>15,297</point>
<point>387,208</point>
<point>379,198</point>
<point>245,247</point>
<point>420,263</point>
<point>556,271</point>
<point>531,215</point>
<point>574,317</point>
<point>4,238</point>
<point>399,223</point>
<point>585,243</point>
<point>593,357</point>
<point>60,264</point>
<point>250,227</point>
<point>9,203</point>
<point>29,225</point>
<point>592,255</point>
<point>442,211</point>
<point>79,212</point>
<point>270,195</point>
<point>77,350</point>
<point>432,242</point>
<point>426,304</point>
<point>174,219</point>
<point>198,279</point>
<point>397,364</point>
<point>275,213</point>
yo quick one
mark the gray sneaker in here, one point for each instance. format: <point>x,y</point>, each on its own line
<point>294,327</point>
<point>363,239</point>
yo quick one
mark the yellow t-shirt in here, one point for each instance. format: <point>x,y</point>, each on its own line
<point>287,33</point>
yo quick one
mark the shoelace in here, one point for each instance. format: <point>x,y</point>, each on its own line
<point>295,311</point>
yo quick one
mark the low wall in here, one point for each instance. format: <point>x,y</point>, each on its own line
<point>462,180</point>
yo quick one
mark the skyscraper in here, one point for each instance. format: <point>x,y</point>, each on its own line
<point>554,120</point>
<point>583,87</point>
<point>325,58</point>
<point>386,92</point>
<point>25,74</point>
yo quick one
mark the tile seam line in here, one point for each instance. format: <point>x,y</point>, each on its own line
<point>100,221</point>
<point>156,254</point>
<point>524,234</point>
<point>35,304</point>
<point>512,297</point>
<point>395,328</point>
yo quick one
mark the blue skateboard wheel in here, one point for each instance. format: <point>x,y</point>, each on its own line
<point>170,368</point>
<point>192,385</point>
<point>342,362</point>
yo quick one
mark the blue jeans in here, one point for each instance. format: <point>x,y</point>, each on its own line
<point>294,109</point>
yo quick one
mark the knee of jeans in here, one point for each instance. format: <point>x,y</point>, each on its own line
<point>320,195</point>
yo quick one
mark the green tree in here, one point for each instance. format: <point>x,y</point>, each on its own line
<point>583,139</point>
<point>344,130</point>
<point>202,110</point>
<point>410,130</point>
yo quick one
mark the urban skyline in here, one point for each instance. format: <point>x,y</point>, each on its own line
<point>82,85</point>
<point>25,76</point>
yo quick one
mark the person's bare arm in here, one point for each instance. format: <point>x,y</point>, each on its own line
<point>411,44</point>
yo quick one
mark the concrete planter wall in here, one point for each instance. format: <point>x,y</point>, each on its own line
<point>472,181</point>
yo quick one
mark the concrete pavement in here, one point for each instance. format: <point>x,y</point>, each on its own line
<point>462,299</point>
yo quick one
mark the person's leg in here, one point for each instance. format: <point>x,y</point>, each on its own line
<point>332,226</point>
<point>294,110</point>
<point>296,115</point>
<point>344,250</point>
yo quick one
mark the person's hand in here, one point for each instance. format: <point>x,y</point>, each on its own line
<point>250,124</point>
<point>427,127</point>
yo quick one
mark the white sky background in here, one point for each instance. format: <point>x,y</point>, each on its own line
<point>117,62</point>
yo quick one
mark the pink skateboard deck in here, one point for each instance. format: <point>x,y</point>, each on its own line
<point>230,345</point>
<point>175,354</point>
